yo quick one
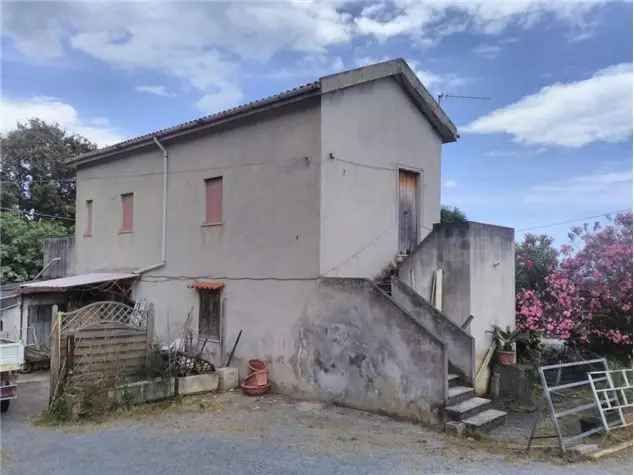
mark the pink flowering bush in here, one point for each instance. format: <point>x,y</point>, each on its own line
<point>586,298</point>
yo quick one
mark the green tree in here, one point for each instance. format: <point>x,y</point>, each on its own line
<point>35,174</point>
<point>535,259</point>
<point>20,245</point>
<point>450,215</point>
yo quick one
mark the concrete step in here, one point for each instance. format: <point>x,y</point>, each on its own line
<point>467,408</point>
<point>453,380</point>
<point>485,421</point>
<point>457,394</point>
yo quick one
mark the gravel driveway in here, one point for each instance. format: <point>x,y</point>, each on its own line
<point>230,434</point>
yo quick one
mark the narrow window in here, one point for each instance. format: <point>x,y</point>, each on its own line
<point>88,229</point>
<point>127,212</point>
<point>209,314</point>
<point>213,200</point>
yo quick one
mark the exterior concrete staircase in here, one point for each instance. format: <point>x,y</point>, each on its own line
<point>467,413</point>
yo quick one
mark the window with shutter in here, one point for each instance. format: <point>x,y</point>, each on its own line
<point>88,228</point>
<point>213,200</point>
<point>127,210</point>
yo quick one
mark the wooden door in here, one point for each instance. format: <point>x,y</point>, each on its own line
<point>408,211</point>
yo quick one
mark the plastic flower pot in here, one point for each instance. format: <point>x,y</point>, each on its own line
<point>506,358</point>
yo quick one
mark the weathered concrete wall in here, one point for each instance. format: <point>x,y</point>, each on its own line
<point>446,248</point>
<point>63,250</point>
<point>492,281</point>
<point>372,130</point>
<point>266,311</point>
<point>355,346</point>
<point>478,263</point>
<point>460,345</point>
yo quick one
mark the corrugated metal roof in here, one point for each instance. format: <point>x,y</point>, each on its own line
<point>63,283</point>
<point>207,285</point>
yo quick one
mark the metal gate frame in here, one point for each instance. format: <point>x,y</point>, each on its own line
<point>565,442</point>
<point>605,397</point>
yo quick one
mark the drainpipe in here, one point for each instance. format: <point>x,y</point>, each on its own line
<point>164,230</point>
<point>51,262</point>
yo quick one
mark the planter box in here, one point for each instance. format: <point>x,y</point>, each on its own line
<point>227,378</point>
<point>196,384</point>
<point>146,391</point>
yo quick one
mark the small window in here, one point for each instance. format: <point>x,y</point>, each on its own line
<point>127,212</point>
<point>88,228</point>
<point>213,200</point>
<point>209,314</point>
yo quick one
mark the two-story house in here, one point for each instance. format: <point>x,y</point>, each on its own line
<point>273,218</point>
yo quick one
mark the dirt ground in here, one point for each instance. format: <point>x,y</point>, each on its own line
<point>232,433</point>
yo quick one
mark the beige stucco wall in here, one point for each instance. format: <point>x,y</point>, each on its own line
<point>271,173</point>
<point>377,127</point>
<point>270,202</point>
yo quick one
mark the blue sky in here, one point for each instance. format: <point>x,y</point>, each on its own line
<point>553,143</point>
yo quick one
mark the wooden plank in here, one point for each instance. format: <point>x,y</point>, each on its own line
<point>101,342</point>
<point>111,357</point>
<point>108,331</point>
<point>611,450</point>
<point>105,349</point>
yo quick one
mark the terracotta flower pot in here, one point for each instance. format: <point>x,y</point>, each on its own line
<point>258,369</point>
<point>507,358</point>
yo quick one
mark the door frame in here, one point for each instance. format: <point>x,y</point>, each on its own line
<point>420,183</point>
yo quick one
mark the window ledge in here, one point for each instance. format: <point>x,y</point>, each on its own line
<point>125,231</point>
<point>208,225</point>
<point>87,235</point>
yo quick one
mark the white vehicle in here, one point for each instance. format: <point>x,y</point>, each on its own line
<point>11,360</point>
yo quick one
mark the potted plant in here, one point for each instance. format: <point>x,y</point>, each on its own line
<point>505,344</point>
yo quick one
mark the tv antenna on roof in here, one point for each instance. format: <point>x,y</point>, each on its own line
<point>443,95</point>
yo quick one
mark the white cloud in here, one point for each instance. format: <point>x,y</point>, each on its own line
<point>607,189</point>
<point>488,51</point>
<point>226,97</point>
<point>572,114</point>
<point>430,19</point>
<point>52,110</point>
<point>201,43</point>
<point>308,68</point>
<point>450,184</point>
<point>156,90</point>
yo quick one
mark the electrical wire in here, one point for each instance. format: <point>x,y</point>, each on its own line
<point>29,213</point>
<point>571,221</point>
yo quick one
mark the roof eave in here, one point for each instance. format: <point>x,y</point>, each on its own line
<point>198,125</point>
